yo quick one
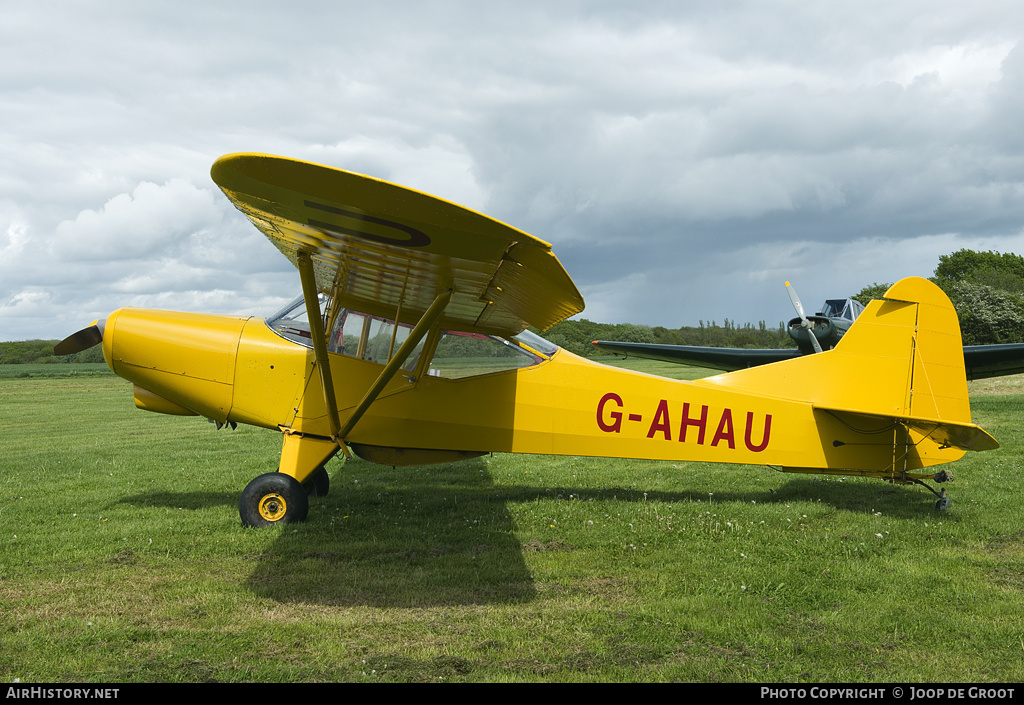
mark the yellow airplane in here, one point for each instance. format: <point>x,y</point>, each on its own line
<point>410,346</point>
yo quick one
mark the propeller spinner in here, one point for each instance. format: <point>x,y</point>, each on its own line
<point>805,323</point>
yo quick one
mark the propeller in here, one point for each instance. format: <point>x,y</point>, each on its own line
<point>82,340</point>
<point>805,323</point>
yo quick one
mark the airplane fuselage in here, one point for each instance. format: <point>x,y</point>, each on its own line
<point>237,369</point>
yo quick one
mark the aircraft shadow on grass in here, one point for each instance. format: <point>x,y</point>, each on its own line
<point>444,535</point>
<point>180,500</point>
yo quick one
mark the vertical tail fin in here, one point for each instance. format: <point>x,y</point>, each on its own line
<point>902,359</point>
<point>913,334</point>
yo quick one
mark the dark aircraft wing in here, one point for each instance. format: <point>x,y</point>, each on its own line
<point>983,361</point>
<point>980,361</point>
<point>727,359</point>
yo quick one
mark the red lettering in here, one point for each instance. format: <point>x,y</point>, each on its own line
<point>764,437</point>
<point>661,422</point>
<point>724,432</point>
<point>615,425</point>
<point>699,423</point>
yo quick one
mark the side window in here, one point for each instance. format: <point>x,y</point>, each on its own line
<point>460,355</point>
<point>457,355</point>
<point>369,338</point>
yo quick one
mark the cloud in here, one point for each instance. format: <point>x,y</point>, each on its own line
<point>150,220</point>
<point>173,245</point>
<point>673,153</point>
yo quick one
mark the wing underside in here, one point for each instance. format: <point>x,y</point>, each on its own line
<point>388,250</point>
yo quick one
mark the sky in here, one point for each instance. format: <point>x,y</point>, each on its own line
<point>685,159</point>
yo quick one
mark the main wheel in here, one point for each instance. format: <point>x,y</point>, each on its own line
<point>319,483</point>
<point>273,498</point>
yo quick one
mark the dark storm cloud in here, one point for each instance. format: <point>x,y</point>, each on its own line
<point>684,159</point>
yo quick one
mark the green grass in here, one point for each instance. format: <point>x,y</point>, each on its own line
<point>67,369</point>
<point>122,559</point>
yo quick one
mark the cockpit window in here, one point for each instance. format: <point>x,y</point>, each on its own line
<point>376,339</point>
<point>532,340</point>
<point>459,354</point>
<point>370,338</point>
<point>842,308</point>
<point>856,308</point>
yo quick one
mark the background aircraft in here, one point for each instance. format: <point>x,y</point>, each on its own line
<point>821,331</point>
<point>409,346</point>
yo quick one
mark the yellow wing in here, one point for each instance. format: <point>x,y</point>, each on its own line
<point>375,245</point>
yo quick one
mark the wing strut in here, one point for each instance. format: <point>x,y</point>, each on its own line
<point>316,329</point>
<point>428,319</point>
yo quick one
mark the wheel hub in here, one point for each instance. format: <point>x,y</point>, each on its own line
<point>272,507</point>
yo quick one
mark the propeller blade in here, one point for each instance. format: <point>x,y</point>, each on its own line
<point>82,340</point>
<point>814,341</point>
<point>805,323</point>
<point>797,305</point>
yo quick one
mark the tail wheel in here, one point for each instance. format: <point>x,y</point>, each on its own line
<point>273,498</point>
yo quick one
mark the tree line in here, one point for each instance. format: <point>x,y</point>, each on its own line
<point>577,336</point>
<point>986,288</point>
<point>24,352</point>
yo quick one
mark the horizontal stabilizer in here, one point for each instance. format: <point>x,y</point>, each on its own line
<point>962,436</point>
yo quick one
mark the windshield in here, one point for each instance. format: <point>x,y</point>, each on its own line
<point>291,321</point>
<point>532,340</point>
<point>842,308</point>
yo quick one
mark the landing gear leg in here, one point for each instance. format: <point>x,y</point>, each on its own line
<point>943,502</point>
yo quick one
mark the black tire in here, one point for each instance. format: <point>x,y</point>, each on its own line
<point>318,484</point>
<point>271,499</point>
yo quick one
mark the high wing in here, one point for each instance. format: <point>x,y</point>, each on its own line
<point>727,359</point>
<point>390,251</point>
<point>980,361</point>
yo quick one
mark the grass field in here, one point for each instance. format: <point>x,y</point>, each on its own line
<point>122,559</point>
<point>87,369</point>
